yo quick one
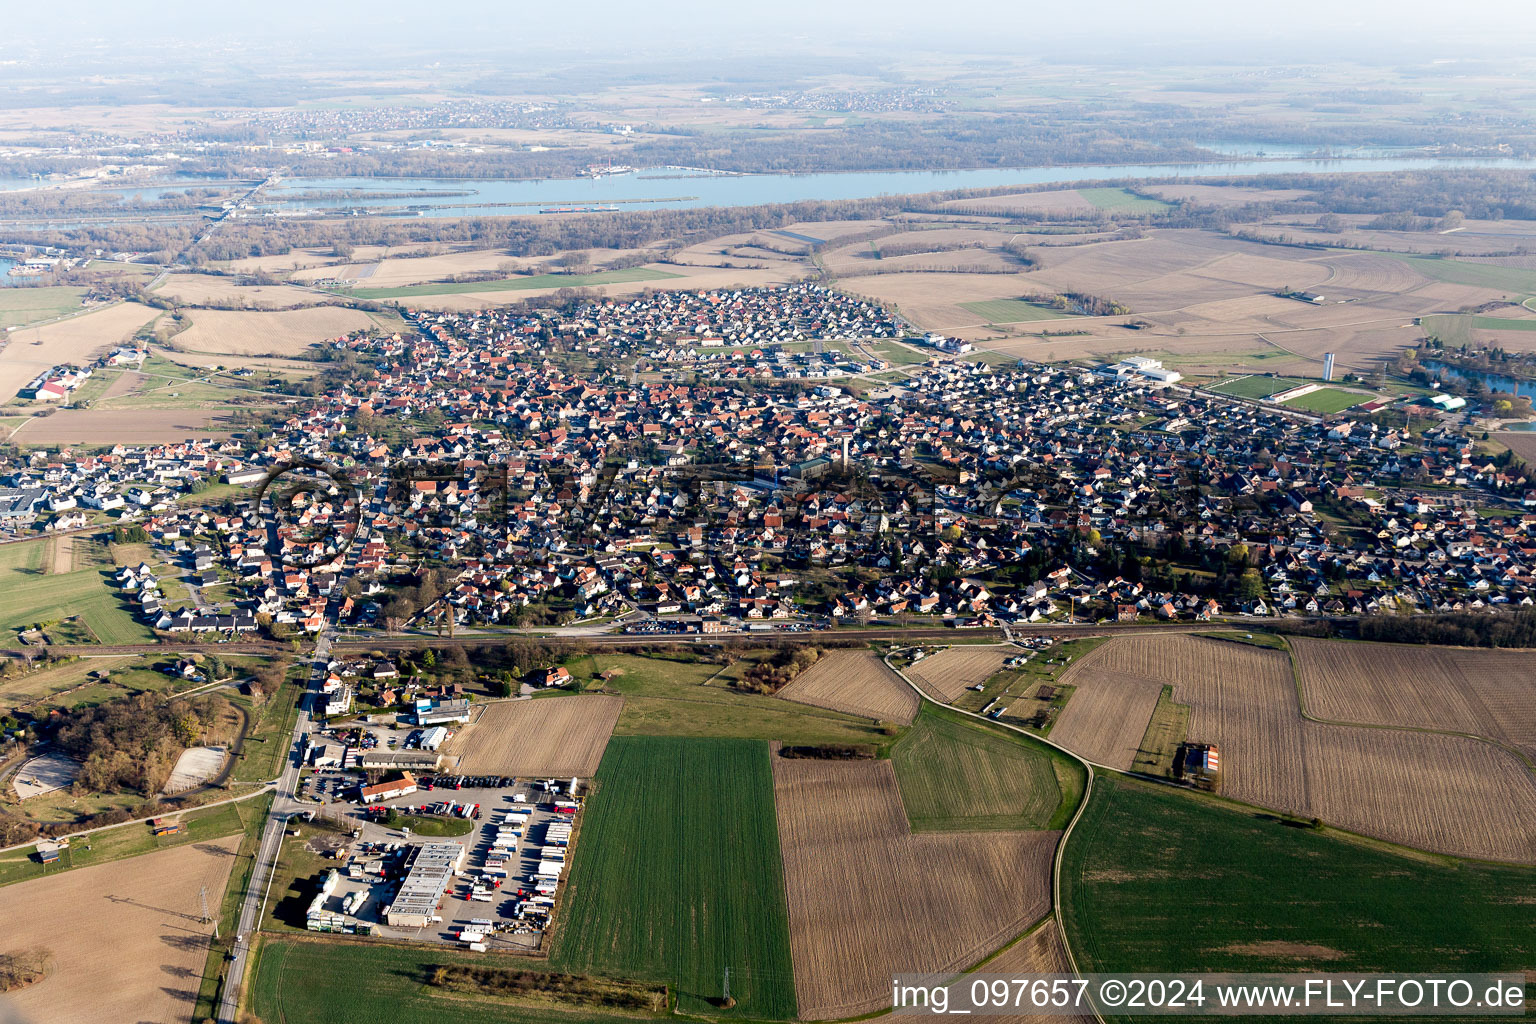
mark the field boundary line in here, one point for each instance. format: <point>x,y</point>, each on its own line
<point>1066,833</point>
<point>1307,716</point>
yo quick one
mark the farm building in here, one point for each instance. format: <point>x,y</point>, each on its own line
<point>1202,764</point>
<point>403,786</point>
<point>424,885</point>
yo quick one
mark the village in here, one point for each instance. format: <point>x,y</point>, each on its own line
<point>549,473</point>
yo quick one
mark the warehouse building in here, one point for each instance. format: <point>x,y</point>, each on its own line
<point>431,873</point>
<point>388,790</point>
<point>409,760</point>
<point>436,713</point>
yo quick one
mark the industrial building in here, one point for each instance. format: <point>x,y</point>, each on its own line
<point>1141,370</point>
<point>430,713</point>
<point>408,760</point>
<point>428,879</point>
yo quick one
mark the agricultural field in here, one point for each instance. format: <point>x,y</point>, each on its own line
<point>1516,282</point>
<point>1460,329</point>
<point>516,284</point>
<point>674,696</point>
<point>1039,952</point>
<point>677,875</point>
<point>295,981</point>
<point>1258,885</point>
<point>258,333</point>
<point>28,595</point>
<point>79,339</point>
<point>27,305</point>
<point>1106,717</point>
<point>144,949</point>
<point>849,927</point>
<point>959,775</point>
<point>1448,794</point>
<point>554,736</point>
<point>1479,692</point>
<point>948,674</point>
<point>855,682</point>
<point>122,426</point>
<point>1121,200</point>
<point>1013,311</point>
<point>212,289</point>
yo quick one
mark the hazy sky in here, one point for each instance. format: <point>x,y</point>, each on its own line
<point>793,27</point>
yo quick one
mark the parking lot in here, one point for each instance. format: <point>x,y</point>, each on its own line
<point>462,908</point>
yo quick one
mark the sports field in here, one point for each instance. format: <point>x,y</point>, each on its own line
<point>678,876</point>
<point>1255,386</point>
<point>1119,200</point>
<point>515,284</point>
<point>1272,897</point>
<point>1012,311</point>
<point>1327,400</point>
<point>959,775</point>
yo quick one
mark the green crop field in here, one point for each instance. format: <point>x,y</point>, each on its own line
<point>1013,311</point>
<point>674,697</point>
<point>959,775</point>
<point>1511,280</point>
<point>1119,200</point>
<point>1157,879</point>
<point>1255,386</point>
<point>27,305</point>
<point>296,981</point>
<point>677,875</point>
<point>128,840</point>
<point>1327,400</point>
<point>515,284</point>
<point>1456,329</point>
<point>27,597</point>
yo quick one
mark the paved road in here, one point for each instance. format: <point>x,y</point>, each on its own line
<point>283,805</point>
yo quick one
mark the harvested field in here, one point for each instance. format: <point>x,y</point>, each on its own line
<point>1443,793</point>
<point>1105,720</point>
<point>554,736</point>
<point>1483,692</point>
<point>1067,201</point>
<point>204,289</point>
<point>144,949</point>
<point>1039,952</point>
<point>126,426</point>
<point>1522,443</point>
<point>79,339</point>
<point>946,675</point>
<point>858,683</point>
<point>848,928</point>
<point>287,333</point>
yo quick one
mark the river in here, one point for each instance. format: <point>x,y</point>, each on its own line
<point>672,188</point>
<point>1493,381</point>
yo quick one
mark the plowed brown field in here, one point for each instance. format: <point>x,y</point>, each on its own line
<point>866,897</point>
<point>127,936</point>
<point>858,683</point>
<point>1487,693</point>
<point>1039,952</point>
<point>1445,793</point>
<point>946,675</point>
<point>554,736</point>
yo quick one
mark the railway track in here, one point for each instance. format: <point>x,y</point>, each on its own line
<point>926,633</point>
